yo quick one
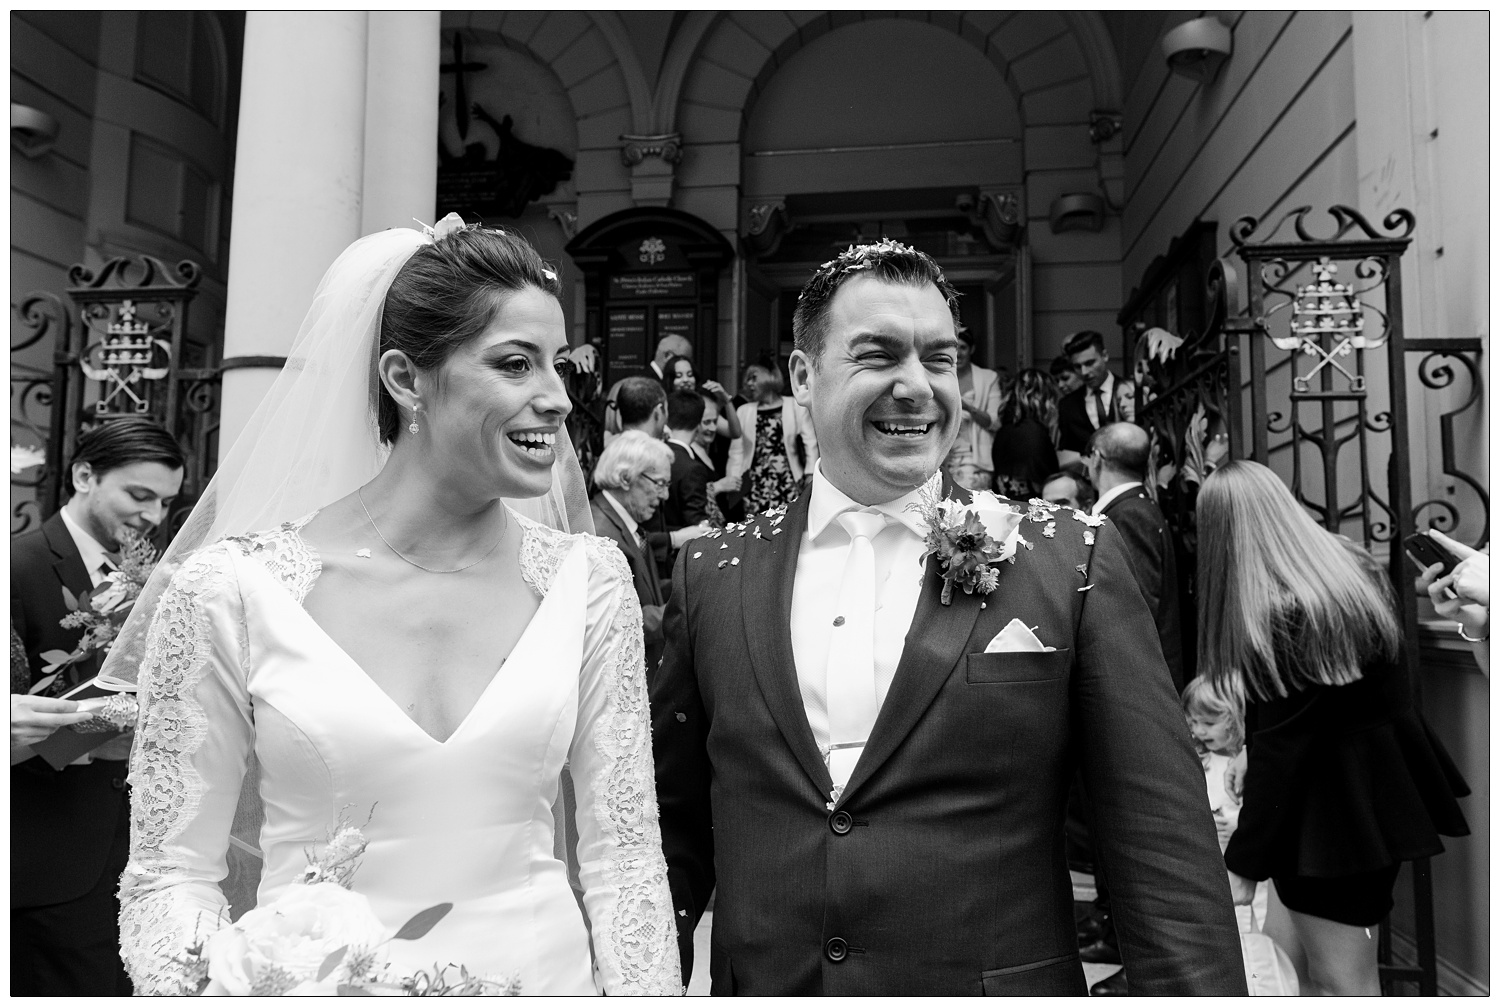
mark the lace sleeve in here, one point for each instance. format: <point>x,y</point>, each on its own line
<point>619,839</point>
<point>193,740</point>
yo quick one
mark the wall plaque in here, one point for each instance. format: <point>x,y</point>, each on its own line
<point>677,322</point>
<point>624,286</point>
<point>626,330</point>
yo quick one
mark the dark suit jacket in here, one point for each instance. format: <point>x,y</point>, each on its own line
<point>1073,424</point>
<point>68,827</point>
<point>687,497</point>
<point>1148,543</point>
<point>940,869</point>
<point>643,569</point>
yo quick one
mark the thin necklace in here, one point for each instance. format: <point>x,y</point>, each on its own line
<point>413,562</point>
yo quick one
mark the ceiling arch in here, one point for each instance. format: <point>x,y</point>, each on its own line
<point>1058,66</point>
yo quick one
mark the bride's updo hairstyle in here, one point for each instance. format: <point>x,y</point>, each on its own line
<point>450,292</point>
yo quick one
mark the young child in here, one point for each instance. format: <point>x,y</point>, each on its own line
<point>1219,732</point>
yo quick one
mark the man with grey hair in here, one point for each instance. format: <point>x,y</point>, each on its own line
<point>667,348</point>
<point>633,474</point>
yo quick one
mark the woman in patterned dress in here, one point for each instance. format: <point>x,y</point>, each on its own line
<point>767,454</point>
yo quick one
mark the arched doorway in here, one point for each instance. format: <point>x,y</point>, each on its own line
<point>889,127</point>
<point>650,272</point>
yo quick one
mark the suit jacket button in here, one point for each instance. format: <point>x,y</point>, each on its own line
<point>840,822</point>
<point>837,949</point>
<point>118,783</point>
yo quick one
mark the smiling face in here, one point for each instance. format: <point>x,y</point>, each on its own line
<point>708,427</point>
<point>493,410</point>
<point>135,496</point>
<point>884,393</point>
<point>683,378</point>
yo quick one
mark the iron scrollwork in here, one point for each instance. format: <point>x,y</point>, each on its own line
<point>119,352</point>
<point>1343,430</point>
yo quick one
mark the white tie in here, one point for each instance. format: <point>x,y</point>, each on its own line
<point>852,704</point>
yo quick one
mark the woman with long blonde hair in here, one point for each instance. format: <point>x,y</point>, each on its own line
<point>1341,781</point>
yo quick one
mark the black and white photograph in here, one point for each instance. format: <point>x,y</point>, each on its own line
<point>749,503</point>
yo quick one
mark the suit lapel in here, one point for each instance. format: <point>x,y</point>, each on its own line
<point>639,565</point>
<point>66,559</point>
<point>935,643</point>
<point>766,606</point>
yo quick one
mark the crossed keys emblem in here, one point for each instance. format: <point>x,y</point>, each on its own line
<point>123,361</point>
<point>1325,308</point>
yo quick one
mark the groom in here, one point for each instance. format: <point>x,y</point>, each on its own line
<point>874,781</point>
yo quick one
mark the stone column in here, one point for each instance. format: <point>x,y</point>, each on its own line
<point>298,176</point>
<point>401,119</point>
<point>337,138</point>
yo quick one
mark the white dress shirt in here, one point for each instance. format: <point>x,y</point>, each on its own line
<point>96,558</point>
<point>1107,392</point>
<point>624,516</point>
<point>1109,495</point>
<point>815,592</point>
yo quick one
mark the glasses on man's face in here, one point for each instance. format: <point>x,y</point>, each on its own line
<point>660,484</point>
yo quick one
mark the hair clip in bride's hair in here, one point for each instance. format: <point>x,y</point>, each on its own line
<point>448,225</point>
<point>550,275</point>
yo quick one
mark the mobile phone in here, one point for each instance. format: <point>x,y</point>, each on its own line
<point>1426,550</point>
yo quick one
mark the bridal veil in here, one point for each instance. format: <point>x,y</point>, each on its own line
<point>313,440</point>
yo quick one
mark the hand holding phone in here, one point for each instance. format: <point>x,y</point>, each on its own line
<point>1424,551</point>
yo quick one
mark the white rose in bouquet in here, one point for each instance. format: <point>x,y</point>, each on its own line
<point>279,949</point>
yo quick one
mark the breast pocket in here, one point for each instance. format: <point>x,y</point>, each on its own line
<point>1010,667</point>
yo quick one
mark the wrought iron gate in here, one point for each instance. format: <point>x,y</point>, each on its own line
<point>1311,379</point>
<point>121,350</point>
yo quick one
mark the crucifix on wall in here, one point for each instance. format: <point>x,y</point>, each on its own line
<point>460,92</point>
<point>472,182</point>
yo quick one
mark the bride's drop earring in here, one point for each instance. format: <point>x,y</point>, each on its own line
<point>412,426</point>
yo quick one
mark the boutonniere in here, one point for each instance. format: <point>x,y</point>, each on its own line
<point>100,613</point>
<point>969,538</point>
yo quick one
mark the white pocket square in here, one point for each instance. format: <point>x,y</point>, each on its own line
<point>1016,638</point>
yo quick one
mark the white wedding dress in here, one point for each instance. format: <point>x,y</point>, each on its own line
<point>235,666</point>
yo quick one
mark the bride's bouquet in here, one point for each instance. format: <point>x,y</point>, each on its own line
<point>321,938</point>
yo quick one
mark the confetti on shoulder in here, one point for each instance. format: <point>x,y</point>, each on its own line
<point>1091,520</point>
<point>362,553</point>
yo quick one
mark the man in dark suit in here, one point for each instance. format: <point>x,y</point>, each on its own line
<point>687,498</point>
<point>70,829</point>
<point>873,780</point>
<point>1102,399</point>
<point>632,475</point>
<point>643,406</point>
<point>1117,459</point>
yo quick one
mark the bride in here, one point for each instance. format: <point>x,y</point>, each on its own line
<point>414,656</point>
